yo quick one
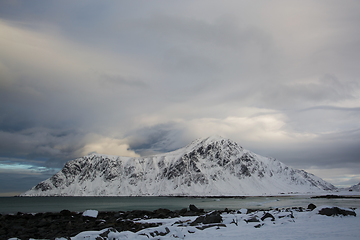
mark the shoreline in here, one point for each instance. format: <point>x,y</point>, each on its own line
<point>218,198</point>
<point>65,224</point>
<point>105,203</point>
<point>312,195</point>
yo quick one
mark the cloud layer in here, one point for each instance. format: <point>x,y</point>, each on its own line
<point>279,77</point>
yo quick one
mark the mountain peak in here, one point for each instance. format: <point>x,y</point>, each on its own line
<point>209,141</point>
<point>211,166</point>
<point>214,138</point>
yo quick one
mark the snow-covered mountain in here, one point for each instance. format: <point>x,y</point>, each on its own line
<point>212,166</point>
<point>355,188</point>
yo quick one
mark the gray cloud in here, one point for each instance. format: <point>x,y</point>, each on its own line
<point>40,143</point>
<point>157,139</point>
<point>119,81</point>
<point>280,78</point>
<point>300,94</point>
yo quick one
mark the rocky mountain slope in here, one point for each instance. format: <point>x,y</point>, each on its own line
<point>212,166</point>
<point>355,188</point>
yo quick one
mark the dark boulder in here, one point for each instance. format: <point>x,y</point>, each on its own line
<point>268,215</point>
<point>157,233</point>
<point>335,211</point>
<point>259,225</point>
<point>162,213</point>
<point>211,225</point>
<point>65,212</point>
<point>311,206</point>
<point>183,211</point>
<point>252,219</point>
<point>137,214</point>
<point>64,224</point>
<point>193,208</point>
<point>213,217</point>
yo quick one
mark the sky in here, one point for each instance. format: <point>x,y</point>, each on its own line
<point>135,78</point>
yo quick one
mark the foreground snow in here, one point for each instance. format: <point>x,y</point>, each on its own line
<point>286,224</point>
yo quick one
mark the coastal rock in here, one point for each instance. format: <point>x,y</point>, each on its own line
<point>193,208</point>
<point>90,213</point>
<point>65,223</point>
<point>268,215</point>
<point>335,211</point>
<point>213,217</point>
<point>110,225</point>
<point>311,206</point>
<point>252,219</point>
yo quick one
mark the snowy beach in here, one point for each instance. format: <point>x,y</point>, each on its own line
<point>285,225</point>
<point>322,222</point>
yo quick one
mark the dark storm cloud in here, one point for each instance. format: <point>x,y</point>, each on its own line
<point>23,182</point>
<point>156,139</point>
<point>16,183</point>
<point>58,146</point>
<point>18,175</point>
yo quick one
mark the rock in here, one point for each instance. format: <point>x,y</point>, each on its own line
<point>311,206</point>
<point>259,225</point>
<point>157,233</point>
<point>105,234</point>
<point>268,215</point>
<point>243,211</point>
<point>193,208</point>
<point>65,212</point>
<point>252,219</point>
<point>213,217</point>
<point>211,225</point>
<point>140,214</point>
<point>62,224</point>
<point>290,215</point>
<point>183,211</point>
<point>162,213</point>
<point>91,213</point>
<point>335,211</point>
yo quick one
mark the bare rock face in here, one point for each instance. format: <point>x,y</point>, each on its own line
<point>212,166</point>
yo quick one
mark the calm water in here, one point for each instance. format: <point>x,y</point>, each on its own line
<point>56,204</point>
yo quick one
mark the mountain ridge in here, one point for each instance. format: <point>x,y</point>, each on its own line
<point>212,166</point>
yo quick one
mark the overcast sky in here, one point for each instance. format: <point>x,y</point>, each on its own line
<point>134,78</point>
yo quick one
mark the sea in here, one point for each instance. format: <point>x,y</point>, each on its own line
<point>13,205</point>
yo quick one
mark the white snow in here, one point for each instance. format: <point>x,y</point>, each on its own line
<point>90,213</point>
<point>302,226</point>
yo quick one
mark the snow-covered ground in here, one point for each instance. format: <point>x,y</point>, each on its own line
<point>284,224</point>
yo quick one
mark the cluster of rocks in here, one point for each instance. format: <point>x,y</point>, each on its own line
<point>335,211</point>
<point>66,223</point>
